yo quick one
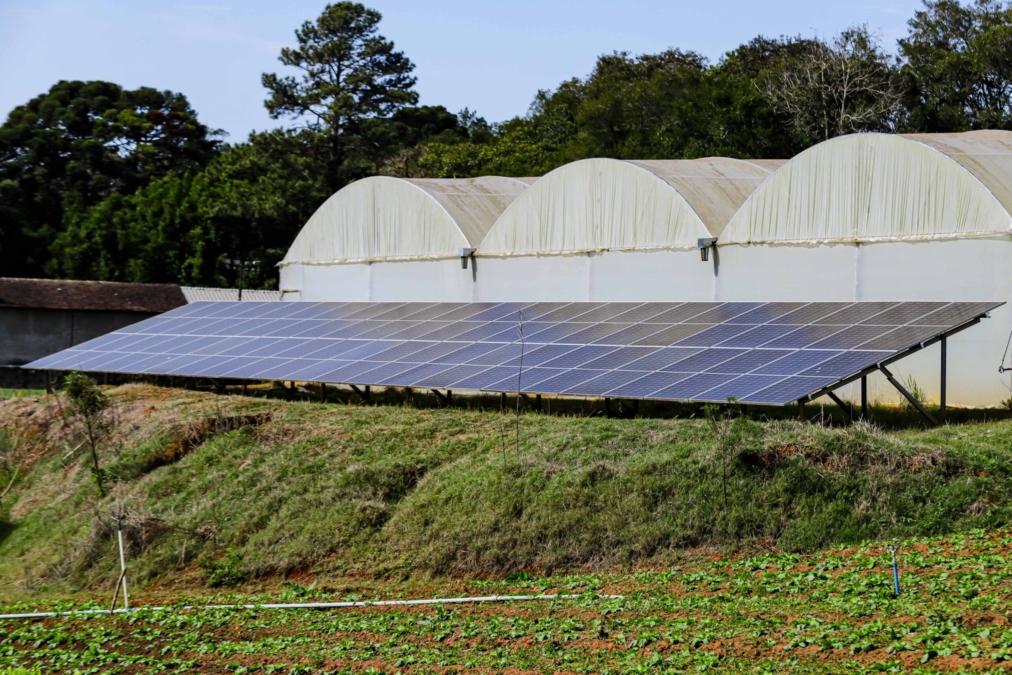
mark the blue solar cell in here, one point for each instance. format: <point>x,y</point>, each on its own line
<point>290,328</point>
<point>468,311</point>
<point>142,345</point>
<point>298,350</point>
<point>249,346</point>
<point>811,313</point>
<point>152,363</point>
<point>271,349</point>
<point>315,371</point>
<point>802,337</point>
<point>712,336</point>
<point>620,357</point>
<point>661,358</point>
<point>267,328</point>
<point>566,380</point>
<point>437,311</point>
<point>482,332</point>
<point>749,361</point>
<point>448,332</point>
<point>704,360</point>
<point>691,387</point>
<point>248,310</point>
<point>648,384</point>
<point>208,346</point>
<point>102,343</point>
<point>409,376</point>
<point>123,364</point>
<point>684,312</point>
<point>195,365</point>
<point>404,311</point>
<point>466,354</point>
<point>633,334</point>
<point>535,311</point>
<point>348,372</point>
<point>578,357</point>
<point>904,313</point>
<point>418,329</point>
<point>605,382</point>
<point>338,328</point>
<point>331,311</point>
<point>767,312</point>
<point>284,310</point>
<point>797,362</point>
<point>850,337</point>
<point>788,391</point>
<point>172,345</point>
<point>316,311</point>
<point>206,309</point>
<point>484,379</point>
<point>387,329</point>
<point>170,366</point>
<point>317,328</point>
<point>331,349</point>
<point>399,351</point>
<point>759,335</point>
<point>284,369</point>
<point>434,351</point>
<point>739,388</point>
<point>505,310</point>
<point>528,379</point>
<point>535,355</point>
<point>596,333</point>
<point>608,313</point>
<point>725,312</point>
<point>845,364</point>
<point>449,376</point>
<point>252,327</point>
<point>498,356</point>
<point>222,366</point>
<point>554,333</point>
<point>223,327</point>
<point>671,335</point>
<point>68,360</point>
<point>856,313</point>
<point>368,349</point>
<point>504,335</point>
<point>186,310</point>
<point>121,343</point>
<point>161,326</point>
<point>645,312</point>
<point>568,312</point>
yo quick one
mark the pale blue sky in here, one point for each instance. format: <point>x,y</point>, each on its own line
<point>489,56</point>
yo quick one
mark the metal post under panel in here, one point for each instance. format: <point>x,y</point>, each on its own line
<point>864,397</point>
<point>801,410</point>
<point>941,411</point>
<point>323,392</point>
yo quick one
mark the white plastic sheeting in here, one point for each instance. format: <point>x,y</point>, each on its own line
<point>386,218</point>
<point>878,187</point>
<point>616,205</point>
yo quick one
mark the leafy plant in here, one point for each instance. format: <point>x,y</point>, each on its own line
<point>87,403</point>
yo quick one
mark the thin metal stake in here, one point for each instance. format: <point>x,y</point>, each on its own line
<point>122,560</point>
<point>941,411</point>
<point>893,550</point>
<point>864,397</point>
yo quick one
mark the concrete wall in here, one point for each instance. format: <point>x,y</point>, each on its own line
<point>29,334</point>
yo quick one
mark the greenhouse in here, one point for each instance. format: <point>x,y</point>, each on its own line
<point>395,238</point>
<point>880,217</point>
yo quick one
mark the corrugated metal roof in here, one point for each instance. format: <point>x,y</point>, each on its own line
<point>89,295</point>
<point>204,294</point>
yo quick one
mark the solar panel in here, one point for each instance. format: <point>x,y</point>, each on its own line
<point>756,352</point>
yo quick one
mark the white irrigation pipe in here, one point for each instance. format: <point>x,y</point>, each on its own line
<point>317,605</point>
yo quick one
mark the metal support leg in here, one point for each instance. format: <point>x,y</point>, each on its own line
<point>244,387</point>
<point>607,407</point>
<point>941,408</point>
<point>847,409</point>
<point>913,401</point>
<point>445,399</point>
<point>323,392</point>
<point>409,395</point>
<point>801,411</point>
<point>49,383</point>
<point>362,394</point>
<point>502,400</point>
<point>864,397</point>
<point>537,402</point>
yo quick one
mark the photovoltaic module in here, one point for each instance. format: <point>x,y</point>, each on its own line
<point>756,352</point>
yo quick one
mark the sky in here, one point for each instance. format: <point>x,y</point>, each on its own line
<point>491,57</point>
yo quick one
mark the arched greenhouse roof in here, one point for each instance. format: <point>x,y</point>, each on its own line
<point>608,204</point>
<point>387,218</point>
<point>881,187</point>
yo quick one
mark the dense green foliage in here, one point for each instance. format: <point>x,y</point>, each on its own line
<point>101,183</point>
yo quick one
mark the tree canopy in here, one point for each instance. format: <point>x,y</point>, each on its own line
<point>100,182</point>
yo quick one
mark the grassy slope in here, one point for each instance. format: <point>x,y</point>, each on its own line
<point>396,490</point>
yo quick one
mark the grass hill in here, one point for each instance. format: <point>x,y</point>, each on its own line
<point>220,490</point>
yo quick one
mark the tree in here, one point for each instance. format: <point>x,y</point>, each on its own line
<point>87,403</point>
<point>959,64</point>
<point>830,89</point>
<point>351,74</point>
<point>77,145</point>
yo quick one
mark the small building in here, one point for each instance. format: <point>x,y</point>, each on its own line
<point>39,317</point>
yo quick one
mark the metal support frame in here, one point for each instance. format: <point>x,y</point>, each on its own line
<point>941,406</point>
<point>323,392</point>
<point>802,415</point>
<point>244,382</point>
<point>534,403</point>
<point>409,395</point>
<point>864,397</point>
<point>49,382</point>
<point>844,406</point>
<point>446,398</point>
<point>913,401</point>
<point>363,394</point>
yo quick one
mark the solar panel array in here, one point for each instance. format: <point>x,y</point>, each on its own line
<point>773,353</point>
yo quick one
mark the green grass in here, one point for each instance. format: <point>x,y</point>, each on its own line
<point>21,393</point>
<point>397,491</point>
<point>833,612</point>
